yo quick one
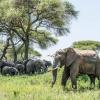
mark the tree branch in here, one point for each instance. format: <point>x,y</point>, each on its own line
<point>5,48</point>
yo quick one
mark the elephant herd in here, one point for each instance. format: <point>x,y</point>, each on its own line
<point>76,62</point>
<point>30,66</point>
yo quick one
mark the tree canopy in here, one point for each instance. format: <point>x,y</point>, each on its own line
<point>35,21</point>
<point>93,45</point>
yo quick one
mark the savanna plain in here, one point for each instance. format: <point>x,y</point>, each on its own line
<point>38,87</point>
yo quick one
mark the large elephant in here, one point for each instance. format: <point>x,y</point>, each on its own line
<point>76,62</point>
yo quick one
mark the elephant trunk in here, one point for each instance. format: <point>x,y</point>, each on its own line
<point>54,74</point>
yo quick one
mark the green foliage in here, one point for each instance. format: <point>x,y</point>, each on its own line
<point>53,14</point>
<point>19,50</point>
<point>34,52</point>
<point>8,12</point>
<point>20,53</point>
<point>86,44</point>
<point>43,38</point>
<point>36,20</point>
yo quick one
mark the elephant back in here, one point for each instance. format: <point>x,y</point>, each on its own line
<point>85,53</point>
<point>72,54</point>
<point>88,55</point>
<point>5,63</point>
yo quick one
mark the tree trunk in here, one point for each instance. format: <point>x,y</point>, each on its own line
<point>14,51</point>
<point>13,47</point>
<point>26,48</point>
<point>5,49</point>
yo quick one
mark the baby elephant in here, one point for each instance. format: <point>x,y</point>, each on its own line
<point>9,71</point>
<point>20,68</point>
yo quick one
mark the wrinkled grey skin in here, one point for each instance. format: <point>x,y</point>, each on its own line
<point>25,63</point>
<point>9,71</point>
<point>35,66</point>
<point>40,66</point>
<point>74,65</point>
<point>30,68</point>
<point>47,64</point>
<point>20,68</point>
<point>5,63</point>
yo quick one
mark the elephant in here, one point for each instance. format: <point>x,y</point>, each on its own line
<point>30,68</point>
<point>9,71</point>
<point>34,66</point>
<point>25,63</point>
<point>40,66</point>
<point>76,62</point>
<point>47,63</point>
<point>20,68</point>
<point>5,63</point>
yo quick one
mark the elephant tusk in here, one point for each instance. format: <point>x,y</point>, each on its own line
<point>52,69</point>
<point>51,56</point>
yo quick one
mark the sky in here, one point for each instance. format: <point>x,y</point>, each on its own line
<point>85,27</point>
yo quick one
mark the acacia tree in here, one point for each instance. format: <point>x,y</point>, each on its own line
<point>36,20</point>
<point>93,45</point>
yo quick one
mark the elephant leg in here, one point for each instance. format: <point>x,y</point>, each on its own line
<point>65,76</point>
<point>74,71</point>
<point>74,82</point>
<point>33,72</point>
<point>54,73</point>
<point>99,81</point>
<point>92,80</point>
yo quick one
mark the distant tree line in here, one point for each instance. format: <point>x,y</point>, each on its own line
<point>92,45</point>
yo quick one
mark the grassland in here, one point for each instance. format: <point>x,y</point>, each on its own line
<point>37,87</point>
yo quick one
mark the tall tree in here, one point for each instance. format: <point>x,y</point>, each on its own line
<point>36,20</point>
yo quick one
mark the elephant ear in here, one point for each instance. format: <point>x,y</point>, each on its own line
<point>70,56</point>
